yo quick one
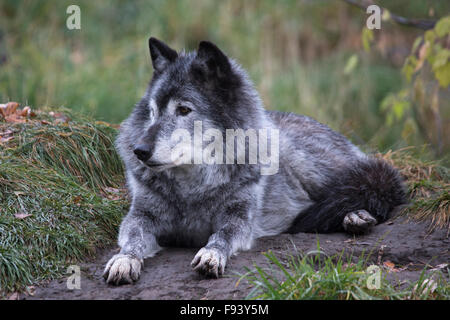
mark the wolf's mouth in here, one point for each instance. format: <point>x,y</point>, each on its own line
<point>154,164</point>
<point>158,166</point>
<point>151,164</point>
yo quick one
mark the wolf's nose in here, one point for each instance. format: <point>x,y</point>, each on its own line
<point>143,152</point>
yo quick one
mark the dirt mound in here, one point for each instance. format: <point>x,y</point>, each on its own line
<point>168,275</point>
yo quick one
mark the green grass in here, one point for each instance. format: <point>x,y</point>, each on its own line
<point>314,276</point>
<point>65,177</point>
<point>428,182</point>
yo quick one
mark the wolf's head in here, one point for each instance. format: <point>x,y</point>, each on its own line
<point>187,88</point>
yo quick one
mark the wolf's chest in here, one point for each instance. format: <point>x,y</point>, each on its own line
<point>189,230</point>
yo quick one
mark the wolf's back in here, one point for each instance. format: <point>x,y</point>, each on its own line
<point>370,184</point>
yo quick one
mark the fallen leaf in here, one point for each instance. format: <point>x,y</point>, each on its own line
<point>14,118</point>
<point>112,190</point>
<point>22,215</point>
<point>59,117</point>
<point>6,133</point>
<point>14,296</point>
<point>8,109</point>
<point>422,55</point>
<point>391,266</point>
<point>103,123</point>
<point>76,200</point>
<point>4,140</point>
<point>65,134</point>
<point>25,111</point>
<point>113,193</point>
<point>6,136</point>
<point>61,120</point>
<point>11,112</point>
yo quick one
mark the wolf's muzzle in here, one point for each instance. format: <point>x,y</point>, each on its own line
<point>143,152</point>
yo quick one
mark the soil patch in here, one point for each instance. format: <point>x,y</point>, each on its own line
<point>408,245</point>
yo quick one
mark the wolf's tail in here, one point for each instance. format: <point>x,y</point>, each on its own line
<point>372,185</point>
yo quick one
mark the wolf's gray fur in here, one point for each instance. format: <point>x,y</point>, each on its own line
<point>324,183</point>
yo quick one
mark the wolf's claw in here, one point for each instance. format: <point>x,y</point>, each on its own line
<point>358,222</point>
<point>122,269</point>
<point>210,262</point>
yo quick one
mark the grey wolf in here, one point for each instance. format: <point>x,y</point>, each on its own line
<point>324,183</point>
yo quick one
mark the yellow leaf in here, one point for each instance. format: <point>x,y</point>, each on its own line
<point>390,265</point>
<point>351,64</point>
<point>367,38</point>
<point>443,75</point>
<point>443,27</point>
<point>65,134</point>
<point>386,15</point>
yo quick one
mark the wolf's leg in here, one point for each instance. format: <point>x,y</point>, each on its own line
<point>358,222</point>
<point>137,242</point>
<point>235,234</point>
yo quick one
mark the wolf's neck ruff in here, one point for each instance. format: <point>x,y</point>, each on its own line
<point>255,147</point>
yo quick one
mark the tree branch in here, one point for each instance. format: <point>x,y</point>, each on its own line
<point>416,23</point>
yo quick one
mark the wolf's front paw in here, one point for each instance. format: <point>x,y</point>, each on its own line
<point>122,269</point>
<point>358,222</point>
<point>210,262</point>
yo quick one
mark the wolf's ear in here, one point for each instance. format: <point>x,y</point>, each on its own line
<point>161,54</point>
<point>211,63</point>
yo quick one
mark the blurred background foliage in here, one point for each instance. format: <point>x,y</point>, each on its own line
<point>313,57</point>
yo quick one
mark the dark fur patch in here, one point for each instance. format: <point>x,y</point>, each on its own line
<point>161,54</point>
<point>371,185</point>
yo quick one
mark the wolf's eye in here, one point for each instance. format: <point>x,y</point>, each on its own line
<point>182,110</point>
